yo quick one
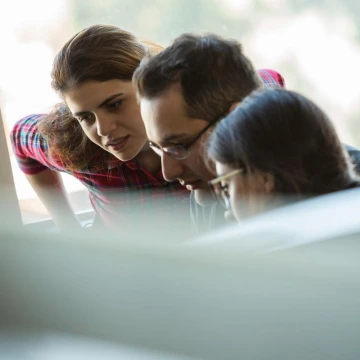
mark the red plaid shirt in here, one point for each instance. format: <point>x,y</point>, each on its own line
<point>117,190</point>
<point>121,189</point>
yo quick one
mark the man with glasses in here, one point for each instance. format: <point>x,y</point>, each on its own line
<point>183,92</point>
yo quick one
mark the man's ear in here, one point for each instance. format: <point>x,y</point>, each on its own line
<point>233,106</point>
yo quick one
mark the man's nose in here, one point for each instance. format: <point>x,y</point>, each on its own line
<point>105,125</point>
<point>172,169</point>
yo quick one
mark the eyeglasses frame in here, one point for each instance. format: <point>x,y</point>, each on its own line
<point>223,197</point>
<point>189,143</point>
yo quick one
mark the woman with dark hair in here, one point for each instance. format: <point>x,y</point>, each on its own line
<point>276,146</point>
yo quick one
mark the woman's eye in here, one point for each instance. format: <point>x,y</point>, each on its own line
<point>115,105</point>
<point>85,117</point>
<point>225,188</point>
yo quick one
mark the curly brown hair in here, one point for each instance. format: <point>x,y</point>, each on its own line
<point>97,53</point>
<point>68,144</point>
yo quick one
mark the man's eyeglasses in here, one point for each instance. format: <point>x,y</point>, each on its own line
<point>220,190</point>
<point>181,151</point>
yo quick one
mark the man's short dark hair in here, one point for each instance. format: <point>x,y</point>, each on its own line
<point>212,72</point>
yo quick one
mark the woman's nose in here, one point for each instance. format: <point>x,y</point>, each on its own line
<point>105,125</point>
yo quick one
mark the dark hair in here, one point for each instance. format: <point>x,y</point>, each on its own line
<point>97,53</point>
<point>285,134</point>
<point>212,72</point>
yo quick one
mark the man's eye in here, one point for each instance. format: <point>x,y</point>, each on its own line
<point>114,105</point>
<point>179,143</point>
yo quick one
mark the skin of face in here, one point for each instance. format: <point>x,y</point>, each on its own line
<point>249,192</point>
<point>167,124</point>
<point>109,115</point>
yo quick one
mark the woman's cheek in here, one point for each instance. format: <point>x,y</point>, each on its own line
<point>235,202</point>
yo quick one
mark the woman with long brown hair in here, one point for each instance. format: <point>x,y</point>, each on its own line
<point>96,134</point>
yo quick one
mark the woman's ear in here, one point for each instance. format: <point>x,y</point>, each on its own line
<point>269,183</point>
<point>233,106</point>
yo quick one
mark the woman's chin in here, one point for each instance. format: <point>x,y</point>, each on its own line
<point>125,155</point>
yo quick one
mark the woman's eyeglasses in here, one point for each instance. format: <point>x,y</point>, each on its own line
<point>220,190</point>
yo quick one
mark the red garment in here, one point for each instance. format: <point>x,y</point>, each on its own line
<point>118,191</point>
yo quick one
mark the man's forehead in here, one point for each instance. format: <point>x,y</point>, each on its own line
<point>164,117</point>
<point>169,102</point>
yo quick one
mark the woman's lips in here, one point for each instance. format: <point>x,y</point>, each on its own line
<point>118,145</point>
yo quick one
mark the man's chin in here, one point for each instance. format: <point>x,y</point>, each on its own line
<point>204,197</point>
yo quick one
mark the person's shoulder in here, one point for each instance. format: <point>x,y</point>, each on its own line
<point>354,155</point>
<point>271,78</point>
<point>27,122</point>
<point>352,150</point>
<point>25,132</point>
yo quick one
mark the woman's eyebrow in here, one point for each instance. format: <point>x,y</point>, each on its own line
<point>104,103</point>
<point>110,98</point>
